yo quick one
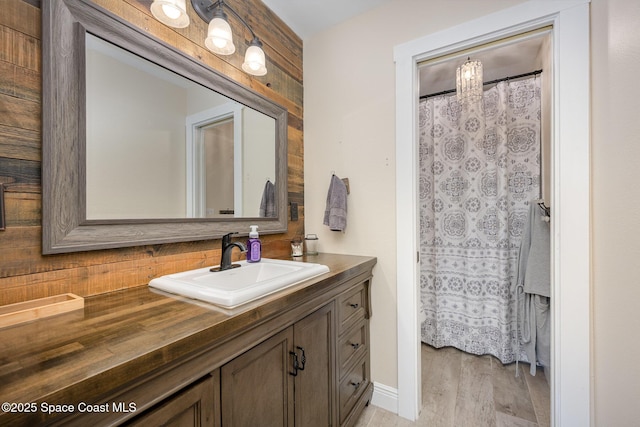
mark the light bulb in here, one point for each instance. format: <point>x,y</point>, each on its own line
<point>171,11</point>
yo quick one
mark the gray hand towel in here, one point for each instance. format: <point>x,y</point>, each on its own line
<point>268,202</point>
<point>335,214</point>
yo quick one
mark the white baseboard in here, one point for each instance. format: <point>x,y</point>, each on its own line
<point>385,397</point>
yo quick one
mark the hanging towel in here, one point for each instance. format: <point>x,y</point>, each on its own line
<point>534,263</point>
<point>335,214</point>
<point>533,289</point>
<point>268,202</point>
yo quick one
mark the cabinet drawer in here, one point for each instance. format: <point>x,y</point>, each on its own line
<point>352,346</point>
<point>352,386</point>
<point>352,307</point>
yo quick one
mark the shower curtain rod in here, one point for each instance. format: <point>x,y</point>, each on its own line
<point>444,92</point>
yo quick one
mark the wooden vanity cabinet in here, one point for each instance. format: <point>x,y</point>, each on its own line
<point>331,386</point>
<point>304,364</point>
<point>313,373</point>
<point>257,385</point>
<point>314,385</point>
<point>355,388</point>
<point>286,380</point>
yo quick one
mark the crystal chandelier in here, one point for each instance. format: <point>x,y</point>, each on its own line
<point>469,82</point>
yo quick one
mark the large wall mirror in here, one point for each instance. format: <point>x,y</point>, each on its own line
<point>144,145</point>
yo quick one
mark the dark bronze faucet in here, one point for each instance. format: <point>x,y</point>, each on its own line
<point>227,248</point>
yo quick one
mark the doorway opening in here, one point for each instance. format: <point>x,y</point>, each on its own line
<point>214,152</point>
<point>569,181</point>
<point>215,142</point>
<point>483,165</point>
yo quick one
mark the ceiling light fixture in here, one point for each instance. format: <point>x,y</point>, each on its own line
<point>219,38</point>
<point>469,82</point>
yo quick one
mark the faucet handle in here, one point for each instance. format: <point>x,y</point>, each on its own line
<point>226,239</point>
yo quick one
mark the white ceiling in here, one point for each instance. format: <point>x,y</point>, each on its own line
<point>307,17</point>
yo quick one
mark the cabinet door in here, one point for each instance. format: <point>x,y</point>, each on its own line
<point>257,387</point>
<point>192,407</point>
<point>314,339</point>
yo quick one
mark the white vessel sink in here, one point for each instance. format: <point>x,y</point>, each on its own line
<point>231,288</point>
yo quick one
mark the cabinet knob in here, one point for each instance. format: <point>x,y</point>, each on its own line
<point>356,385</point>
<point>355,345</point>
<point>354,305</point>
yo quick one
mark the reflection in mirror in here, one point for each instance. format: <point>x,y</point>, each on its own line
<point>160,146</point>
<point>81,200</point>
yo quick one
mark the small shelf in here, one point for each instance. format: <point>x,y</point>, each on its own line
<point>13,314</point>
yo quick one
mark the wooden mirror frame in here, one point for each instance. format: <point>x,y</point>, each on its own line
<point>64,224</point>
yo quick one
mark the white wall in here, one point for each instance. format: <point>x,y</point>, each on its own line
<point>259,158</point>
<point>149,181</point>
<point>349,109</point>
<point>545,59</point>
<point>349,128</point>
<point>615,109</point>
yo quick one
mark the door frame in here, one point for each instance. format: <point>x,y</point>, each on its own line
<point>570,199</point>
<point>196,180</point>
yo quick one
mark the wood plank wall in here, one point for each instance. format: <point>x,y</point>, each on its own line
<point>24,272</point>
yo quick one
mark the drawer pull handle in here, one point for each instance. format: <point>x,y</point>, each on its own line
<point>298,364</point>
<point>356,384</point>
<point>354,305</point>
<point>303,358</point>
<point>355,345</point>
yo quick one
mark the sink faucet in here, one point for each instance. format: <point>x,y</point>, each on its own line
<point>227,248</point>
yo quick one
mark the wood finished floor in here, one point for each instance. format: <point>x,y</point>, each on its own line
<point>460,389</point>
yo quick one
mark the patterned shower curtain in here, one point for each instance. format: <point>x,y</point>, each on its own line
<point>479,169</point>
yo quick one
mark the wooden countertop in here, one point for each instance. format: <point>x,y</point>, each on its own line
<point>120,336</point>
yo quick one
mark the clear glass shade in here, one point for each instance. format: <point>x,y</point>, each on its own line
<point>469,82</point>
<point>171,12</point>
<point>219,37</point>
<point>254,60</point>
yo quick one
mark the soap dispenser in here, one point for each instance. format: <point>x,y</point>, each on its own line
<point>254,245</point>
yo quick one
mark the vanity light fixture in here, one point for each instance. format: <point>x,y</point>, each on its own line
<point>469,82</point>
<point>219,38</point>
